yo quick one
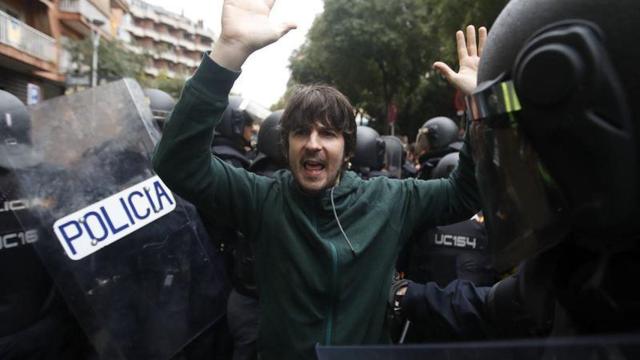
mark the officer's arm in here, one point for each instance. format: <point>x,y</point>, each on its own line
<point>456,312</point>
<point>468,59</point>
<point>455,199</point>
<point>519,305</point>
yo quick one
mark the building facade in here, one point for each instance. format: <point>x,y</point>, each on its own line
<point>33,60</point>
<point>173,42</point>
<point>33,34</point>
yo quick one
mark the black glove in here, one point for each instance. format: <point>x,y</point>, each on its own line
<point>395,318</point>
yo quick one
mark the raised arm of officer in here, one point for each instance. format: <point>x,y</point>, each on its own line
<point>469,52</point>
<point>461,194</point>
<point>182,158</point>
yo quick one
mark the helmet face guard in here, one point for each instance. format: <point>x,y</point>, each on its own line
<point>524,208</point>
<point>561,155</point>
<point>393,156</point>
<point>16,150</point>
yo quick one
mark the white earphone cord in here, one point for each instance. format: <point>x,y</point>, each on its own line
<point>335,214</point>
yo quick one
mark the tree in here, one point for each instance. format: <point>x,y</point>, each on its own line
<point>172,86</point>
<point>114,60</point>
<point>379,52</point>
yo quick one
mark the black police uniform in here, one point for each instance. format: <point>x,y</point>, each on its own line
<point>430,160</point>
<point>458,251</point>
<point>35,323</point>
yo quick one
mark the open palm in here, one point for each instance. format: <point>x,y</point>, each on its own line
<point>246,23</point>
<point>468,58</point>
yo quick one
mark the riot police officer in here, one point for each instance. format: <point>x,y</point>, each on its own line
<point>554,129</point>
<point>232,141</point>
<point>436,138</point>
<point>270,157</point>
<point>569,157</point>
<point>369,157</point>
<point>394,157</point>
<point>457,251</point>
<point>34,320</point>
<point>161,105</point>
<point>446,253</point>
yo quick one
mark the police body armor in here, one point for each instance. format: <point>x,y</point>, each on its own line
<point>34,320</point>
<point>227,150</point>
<point>131,259</point>
<point>458,251</point>
<point>429,161</point>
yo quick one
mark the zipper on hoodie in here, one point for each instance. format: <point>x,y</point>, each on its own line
<point>334,273</point>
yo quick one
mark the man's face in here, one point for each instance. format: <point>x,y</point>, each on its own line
<point>316,156</point>
<point>247,133</point>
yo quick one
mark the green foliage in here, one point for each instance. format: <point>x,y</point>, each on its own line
<point>379,52</point>
<point>114,60</point>
<point>163,82</point>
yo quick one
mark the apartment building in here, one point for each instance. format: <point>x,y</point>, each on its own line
<point>175,43</point>
<point>32,57</point>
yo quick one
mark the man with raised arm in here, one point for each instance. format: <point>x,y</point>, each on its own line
<point>326,241</point>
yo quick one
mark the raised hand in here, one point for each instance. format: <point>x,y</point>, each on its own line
<point>246,27</point>
<point>469,54</point>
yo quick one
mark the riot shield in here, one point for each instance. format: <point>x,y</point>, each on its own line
<point>620,347</point>
<point>131,259</point>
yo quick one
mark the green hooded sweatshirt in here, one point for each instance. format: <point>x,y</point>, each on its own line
<point>313,288</point>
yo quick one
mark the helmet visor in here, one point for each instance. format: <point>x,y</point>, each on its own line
<point>521,203</point>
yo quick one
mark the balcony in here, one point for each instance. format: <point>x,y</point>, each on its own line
<point>169,56</point>
<point>135,49</point>
<point>187,61</point>
<point>135,31</point>
<point>205,33</point>
<point>187,44</point>
<point>141,32</point>
<point>151,71</point>
<point>203,47</point>
<point>23,37</point>
<point>80,13</point>
<point>186,26</point>
<point>168,21</point>
<point>170,39</point>
<point>143,12</point>
<point>152,34</point>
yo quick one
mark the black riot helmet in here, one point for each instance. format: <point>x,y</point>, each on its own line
<point>161,105</point>
<point>445,166</point>
<point>370,150</point>
<point>436,134</point>
<point>269,138</point>
<point>554,124</point>
<point>16,150</point>
<point>234,119</point>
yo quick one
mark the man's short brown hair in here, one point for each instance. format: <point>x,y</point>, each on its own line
<point>322,104</point>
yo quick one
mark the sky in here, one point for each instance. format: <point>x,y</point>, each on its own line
<point>265,74</point>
